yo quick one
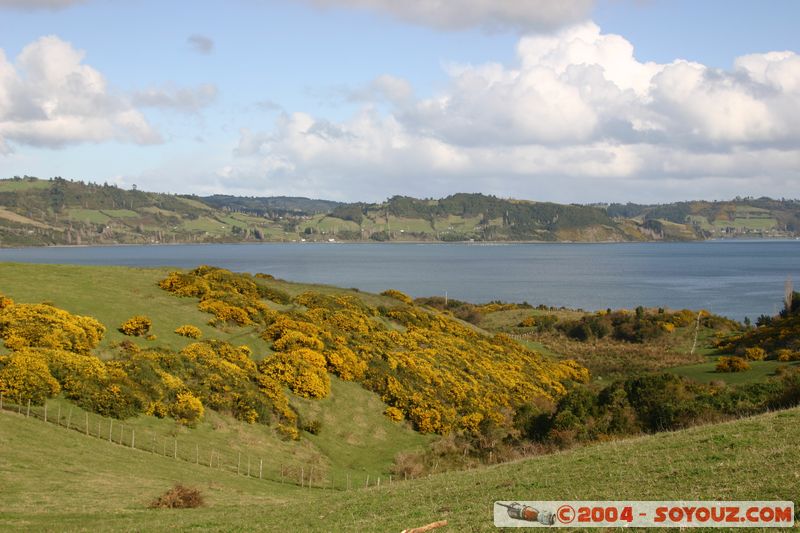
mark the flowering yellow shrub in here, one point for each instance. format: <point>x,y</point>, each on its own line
<point>78,374</point>
<point>295,339</point>
<point>755,354</point>
<point>25,376</point>
<point>157,409</point>
<point>393,413</point>
<point>428,368</point>
<point>187,409</point>
<point>397,295</point>
<point>192,332</point>
<point>230,297</point>
<point>224,312</point>
<point>343,362</point>
<point>302,370</point>
<point>290,432</point>
<point>732,364</point>
<point>45,326</point>
<point>784,355</point>
<point>136,326</point>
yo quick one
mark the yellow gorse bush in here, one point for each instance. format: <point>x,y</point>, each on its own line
<point>428,368</point>
<point>136,326</point>
<point>397,295</point>
<point>192,332</point>
<point>25,376</point>
<point>45,326</point>
<point>187,408</point>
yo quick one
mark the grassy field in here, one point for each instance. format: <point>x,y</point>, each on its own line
<point>58,480</point>
<point>704,372</point>
<point>22,185</point>
<point>114,294</point>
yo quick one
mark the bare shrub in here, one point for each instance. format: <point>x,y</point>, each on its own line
<point>408,465</point>
<point>178,497</point>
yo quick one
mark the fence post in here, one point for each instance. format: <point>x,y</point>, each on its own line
<point>238,463</point>
<point>28,412</point>
<point>310,475</point>
<point>87,423</point>
<point>347,486</point>
<point>175,455</point>
<point>248,465</point>
<point>366,484</point>
<point>58,421</point>
<point>1,401</point>
<point>98,427</point>
<point>260,467</point>
<point>69,417</point>
<point>45,408</point>
<point>133,439</point>
<point>197,454</point>
<point>110,427</point>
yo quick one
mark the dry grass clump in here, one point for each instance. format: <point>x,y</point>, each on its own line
<point>178,497</point>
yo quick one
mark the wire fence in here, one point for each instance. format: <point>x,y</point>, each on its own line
<point>249,463</point>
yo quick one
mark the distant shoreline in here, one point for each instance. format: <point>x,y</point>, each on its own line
<point>423,242</point>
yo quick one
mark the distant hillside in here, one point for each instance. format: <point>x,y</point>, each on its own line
<point>35,212</point>
<point>270,207</point>
<point>735,218</point>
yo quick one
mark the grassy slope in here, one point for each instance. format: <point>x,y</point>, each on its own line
<point>59,480</point>
<point>114,294</point>
<point>350,416</point>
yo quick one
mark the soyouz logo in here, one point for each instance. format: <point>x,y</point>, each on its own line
<point>644,514</point>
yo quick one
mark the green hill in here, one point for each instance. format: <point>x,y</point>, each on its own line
<point>35,212</point>
<point>346,468</point>
<point>58,480</point>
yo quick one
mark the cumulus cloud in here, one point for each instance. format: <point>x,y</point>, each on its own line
<point>30,5</point>
<point>493,15</point>
<point>49,97</point>
<point>201,44</point>
<point>186,100</point>
<point>386,88</point>
<point>576,109</point>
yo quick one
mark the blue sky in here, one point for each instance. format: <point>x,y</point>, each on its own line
<point>362,99</point>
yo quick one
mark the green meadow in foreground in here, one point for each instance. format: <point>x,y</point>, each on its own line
<point>59,480</point>
<point>54,479</point>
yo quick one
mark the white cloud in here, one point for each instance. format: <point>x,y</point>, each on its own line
<point>523,15</point>
<point>577,113</point>
<point>48,97</point>
<point>187,100</point>
<point>201,44</point>
<point>30,5</point>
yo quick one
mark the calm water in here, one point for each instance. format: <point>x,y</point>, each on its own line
<point>732,278</point>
